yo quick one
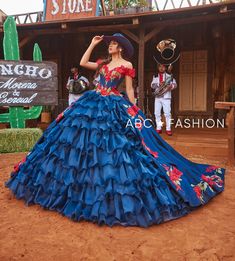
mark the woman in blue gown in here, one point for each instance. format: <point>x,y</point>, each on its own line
<point>101,161</point>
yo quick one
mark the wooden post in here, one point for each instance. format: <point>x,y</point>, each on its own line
<point>231,124</point>
<point>141,68</point>
<point>103,7</point>
<point>231,158</point>
<point>141,57</point>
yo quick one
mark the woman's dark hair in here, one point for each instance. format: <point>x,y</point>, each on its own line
<point>108,60</point>
<point>105,61</point>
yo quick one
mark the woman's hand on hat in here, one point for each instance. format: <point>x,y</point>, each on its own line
<point>97,39</point>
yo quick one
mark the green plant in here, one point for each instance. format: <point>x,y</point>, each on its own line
<point>119,4</point>
<point>109,4</point>
<point>17,115</point>
<point>142,3</point>
<point>126,3</point>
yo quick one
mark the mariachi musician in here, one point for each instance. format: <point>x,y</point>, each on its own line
<point>163,83</point>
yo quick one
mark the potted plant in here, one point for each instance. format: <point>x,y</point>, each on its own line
<point>110,6</point>
<point>119,7</point>
<point>111,11</point>
<point>142,6</point>
<point>125,6</point>
<point>131,7</point>
<point>46,114</point>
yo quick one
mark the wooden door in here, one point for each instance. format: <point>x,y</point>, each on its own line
<point>193,81</point>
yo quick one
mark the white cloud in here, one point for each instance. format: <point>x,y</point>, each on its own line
<point>11,7</point>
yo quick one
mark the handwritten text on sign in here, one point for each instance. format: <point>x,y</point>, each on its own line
<point>28,83</point>
<point>69,9</point>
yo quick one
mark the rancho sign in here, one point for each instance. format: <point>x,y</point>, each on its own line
<point>27,83</point>
<point>69,9</point>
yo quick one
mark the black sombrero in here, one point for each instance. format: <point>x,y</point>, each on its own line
<point>124,42</point>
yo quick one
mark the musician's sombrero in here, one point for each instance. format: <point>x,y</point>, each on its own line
<point>166,52</point>
<point>124,42</point>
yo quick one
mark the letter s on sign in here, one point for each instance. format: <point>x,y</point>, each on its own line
<point>56,7</point>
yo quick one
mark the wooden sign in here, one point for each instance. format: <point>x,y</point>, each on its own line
<point>69,9</point>
<point>28,83</point>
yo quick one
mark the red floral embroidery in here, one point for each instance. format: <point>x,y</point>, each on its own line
<point>17,166</point>
<point>110,74</point>
<point>107,77</point>
<point>142,121</point>
<point>154,153</point>
<point>211,168</point>
<point>207,182</point>
<point>132,110</point>
<point>139,125</point>
<point>60,117</point>
<point>104,92</point>
<point>135,108</point>
<point>198,192</point>
<point>116,72</point>
<point>119,69</point>
<point>214,180</point>
<point>107,91</point>
<point>129,72</point>
<point>174,175</point>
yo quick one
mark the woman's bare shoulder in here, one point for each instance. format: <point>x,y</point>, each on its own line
<point>127,64</point>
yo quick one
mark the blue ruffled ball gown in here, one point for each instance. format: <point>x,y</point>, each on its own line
<point>101,161</point>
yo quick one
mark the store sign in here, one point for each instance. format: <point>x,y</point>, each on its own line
<point>27,83</point>
<point>69,9</point>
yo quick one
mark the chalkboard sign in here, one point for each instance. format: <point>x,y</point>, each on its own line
<point>28,83</point>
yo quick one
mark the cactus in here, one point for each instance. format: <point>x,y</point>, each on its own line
<point>17,115</point>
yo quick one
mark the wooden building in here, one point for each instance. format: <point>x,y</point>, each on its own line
<point>205,35</point>
<point>2,17</point>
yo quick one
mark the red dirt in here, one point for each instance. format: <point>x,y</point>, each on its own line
<point>31,233</point>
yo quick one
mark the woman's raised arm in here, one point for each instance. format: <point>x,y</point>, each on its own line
<point>86,56</point>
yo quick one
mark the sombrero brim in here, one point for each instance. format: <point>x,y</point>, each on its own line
<point>125,43</point>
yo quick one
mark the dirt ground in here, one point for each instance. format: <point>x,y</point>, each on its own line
<point>31,233</point>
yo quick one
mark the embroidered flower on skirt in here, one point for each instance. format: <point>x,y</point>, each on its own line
<point>61,115</point>
<point>174,175</point>
<point>213,180</point>
<point>207,182</point>
<point>154,153</point>
<point>216,169</point>
<point>17,166</point>
<point>132,110</point>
